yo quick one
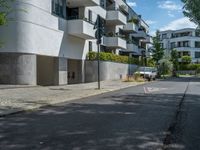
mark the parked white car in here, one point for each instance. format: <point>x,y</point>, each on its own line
<point>147,72</point>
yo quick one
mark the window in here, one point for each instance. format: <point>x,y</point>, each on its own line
<point>197,54</point>
<point>72,13</point>
<point>197,44</point>
<point>161,45</point>
<point>90,16</point>
<point>164,36</point>
<point>59,7</point>
<point>90,46</point>
<point>173,45</point>
<point>186,53</point>
<point>185,43</point>
<point>102,4</point>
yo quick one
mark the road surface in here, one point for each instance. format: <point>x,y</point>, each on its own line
<point>156,116</point>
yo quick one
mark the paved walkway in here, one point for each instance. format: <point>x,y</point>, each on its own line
<point>14,99</point>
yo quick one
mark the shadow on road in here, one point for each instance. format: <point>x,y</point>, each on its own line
<point>121,122</point>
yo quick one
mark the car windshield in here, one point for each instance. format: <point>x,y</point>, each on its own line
<point>145,69</point>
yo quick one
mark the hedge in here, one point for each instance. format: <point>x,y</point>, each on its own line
<point>189,67</point>
<point>112,57</point>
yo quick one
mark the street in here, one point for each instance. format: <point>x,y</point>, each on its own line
<point>160,115</point>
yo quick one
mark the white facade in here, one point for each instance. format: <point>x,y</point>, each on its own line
<point>39,31</point>
<point>185,41</point>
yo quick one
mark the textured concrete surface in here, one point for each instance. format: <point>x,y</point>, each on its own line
<point>18,98</point>
<point>18,68</point>
<point>109,70</point>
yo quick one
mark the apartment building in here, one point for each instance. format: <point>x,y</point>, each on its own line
<point>185,41</point>
<point>47,43</point>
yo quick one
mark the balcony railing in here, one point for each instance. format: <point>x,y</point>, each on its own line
<point>115,16</point>
<point>82,3</point>
<point>81,27</point>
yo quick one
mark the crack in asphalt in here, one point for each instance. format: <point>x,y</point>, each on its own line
<point>174,124</point>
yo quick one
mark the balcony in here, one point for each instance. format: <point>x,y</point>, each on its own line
<point>132,47</point>
<point>123,6</point>
<point>140,34</point>
<point>114,42</point>
<point>82,3</point>
<point>130,27</point>
<point>148,39</point>
<point>81,29</point>
<point>115,17</point>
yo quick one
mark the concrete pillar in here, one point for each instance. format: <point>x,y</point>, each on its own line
<point>83,71</point>
<point>62,71</point>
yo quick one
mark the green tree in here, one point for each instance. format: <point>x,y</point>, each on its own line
<point>174,60</point>
<point>165,67</point>
<point>151,62</point>
<point>186,59</point>
<point>192,10</point>
<point>5,10</point>
<point>158,51</point>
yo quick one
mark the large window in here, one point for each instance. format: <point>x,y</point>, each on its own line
<point>197,54</point>
<point>197,44</point>
<point>59,7</point>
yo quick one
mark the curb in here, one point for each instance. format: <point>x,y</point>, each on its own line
<point>24,110</point>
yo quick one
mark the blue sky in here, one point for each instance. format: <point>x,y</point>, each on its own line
<point>161,14</point>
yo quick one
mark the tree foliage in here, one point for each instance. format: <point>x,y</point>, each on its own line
<point>174,59</point>
<point>186,59</point>
<point>158,51</point>
<point>165,66</point>
<point>5,10</point>
<point>192,10</point>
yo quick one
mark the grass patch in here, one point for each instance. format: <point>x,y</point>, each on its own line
<point>134,79</point>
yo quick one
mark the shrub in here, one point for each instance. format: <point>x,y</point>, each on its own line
<point>165,66</point>
<point>190,67</point>
<point>186,59</point>
<point>151,63</point>
<point>112,57</point>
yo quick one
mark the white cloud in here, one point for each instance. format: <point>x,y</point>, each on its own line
<point>170,14</point>
<point>150,22</point>
<point>169,5</point>
<point>131,3</point>
<point>179,24</point>
<point>152,33</point>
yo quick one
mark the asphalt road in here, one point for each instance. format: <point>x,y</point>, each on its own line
<point>156,116</point>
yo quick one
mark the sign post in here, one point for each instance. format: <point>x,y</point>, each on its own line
<point>99,33</point>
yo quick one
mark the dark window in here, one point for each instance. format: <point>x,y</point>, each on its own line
<point>90,16</point>
<point>59,7</point>
<point>186,54</point>
<point>90,46</point>
<point>164,36</point>
<point>173,45</point>
<point>102,4</point>
<point>197,44</point>
<point>72,13</point>
<point>197,54</point>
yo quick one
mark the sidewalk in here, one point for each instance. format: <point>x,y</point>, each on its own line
<point>14,99</point>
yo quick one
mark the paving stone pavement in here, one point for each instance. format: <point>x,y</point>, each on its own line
<point>14,99</point>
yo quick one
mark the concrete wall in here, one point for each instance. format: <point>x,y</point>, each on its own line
<point>17,69</point>
<point>109,70</point>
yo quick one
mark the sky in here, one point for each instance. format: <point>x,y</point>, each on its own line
<point>161,14</point>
